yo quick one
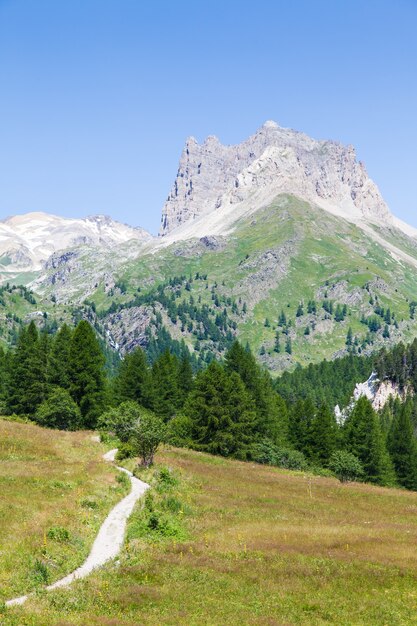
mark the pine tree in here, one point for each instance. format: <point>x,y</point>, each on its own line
<point>133,381</point>
<point>59,372</point>
<point>3,379</point>
<point>185,378</point>
<point>271,410</point>
<point>403,448</point>
<point>379,468</point>
<point>27,381</point>
<point>87,385</point>
<point>349,337</point>
<point>282,320</point>
<point>323,435</point>
<point>301,418</point>
<point>311,307</point>
<point>277,344</point>
<point>222,412</point>
<point>364,438</point>
<point>166,393</point>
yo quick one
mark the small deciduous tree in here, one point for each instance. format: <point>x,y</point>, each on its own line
<point>140,428</point>
<point>146,434</point>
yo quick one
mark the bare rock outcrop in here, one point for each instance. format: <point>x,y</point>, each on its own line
<point>274,160</point>
<point>265,271</point>
<point>377,392</point>
<point>128,327</point>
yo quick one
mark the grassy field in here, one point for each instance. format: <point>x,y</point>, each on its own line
<point>222,542</point>
<point>55,491</point>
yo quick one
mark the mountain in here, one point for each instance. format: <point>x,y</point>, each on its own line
<point>282,241</point>
<point>28,241</point>
<point>217,183</point>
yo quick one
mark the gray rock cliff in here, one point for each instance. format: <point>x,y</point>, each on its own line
<point>274,160</point>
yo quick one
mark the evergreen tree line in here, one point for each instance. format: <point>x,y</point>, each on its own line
<point>209,323</point>
<point>67,369</point>
<point>330,382</point>
<point>231,408</point>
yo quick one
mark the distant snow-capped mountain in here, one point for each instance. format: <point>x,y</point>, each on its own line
<point>27,241</point>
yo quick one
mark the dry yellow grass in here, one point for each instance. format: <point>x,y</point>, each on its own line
<point>264,547</point>
<point>55,491</point>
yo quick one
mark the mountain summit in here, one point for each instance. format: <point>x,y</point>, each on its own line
<point>217,184</point>
<point>282,241</point>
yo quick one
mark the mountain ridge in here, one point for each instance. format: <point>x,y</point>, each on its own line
<point>28,240</point>
<point>216,186</point>
<point>212,176</point>
<point>286,242</point>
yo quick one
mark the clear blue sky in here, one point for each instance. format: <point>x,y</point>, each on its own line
<point>98,96</point>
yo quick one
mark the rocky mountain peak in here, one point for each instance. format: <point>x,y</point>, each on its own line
<point>213,177</point>
<point>270,124</point>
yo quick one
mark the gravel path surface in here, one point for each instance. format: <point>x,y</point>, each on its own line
<point>109,540</point>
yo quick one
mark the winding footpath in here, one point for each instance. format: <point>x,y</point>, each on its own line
<point>109,540</point>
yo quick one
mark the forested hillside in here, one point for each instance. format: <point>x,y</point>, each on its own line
<point>231,407</point>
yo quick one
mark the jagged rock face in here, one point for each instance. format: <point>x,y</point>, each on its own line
<point>28,241</point>
<point>274,160</point>
<point>127,328</point>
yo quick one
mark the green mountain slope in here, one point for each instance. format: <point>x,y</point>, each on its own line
<point>207,291</point>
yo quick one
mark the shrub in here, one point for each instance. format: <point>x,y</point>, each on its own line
<point>268,453</point>
<point>125,451</point>
<point>161,517</point>
<point>265,452</point>
<point>58,533</point>
<point>346,466</point>
<point>58,411</point>
<point>166,479</point>
<point>41,572</point>
<point>172,504</point>
<point>123,479</point>
<point>88,503</point>
<point>292,459</point>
